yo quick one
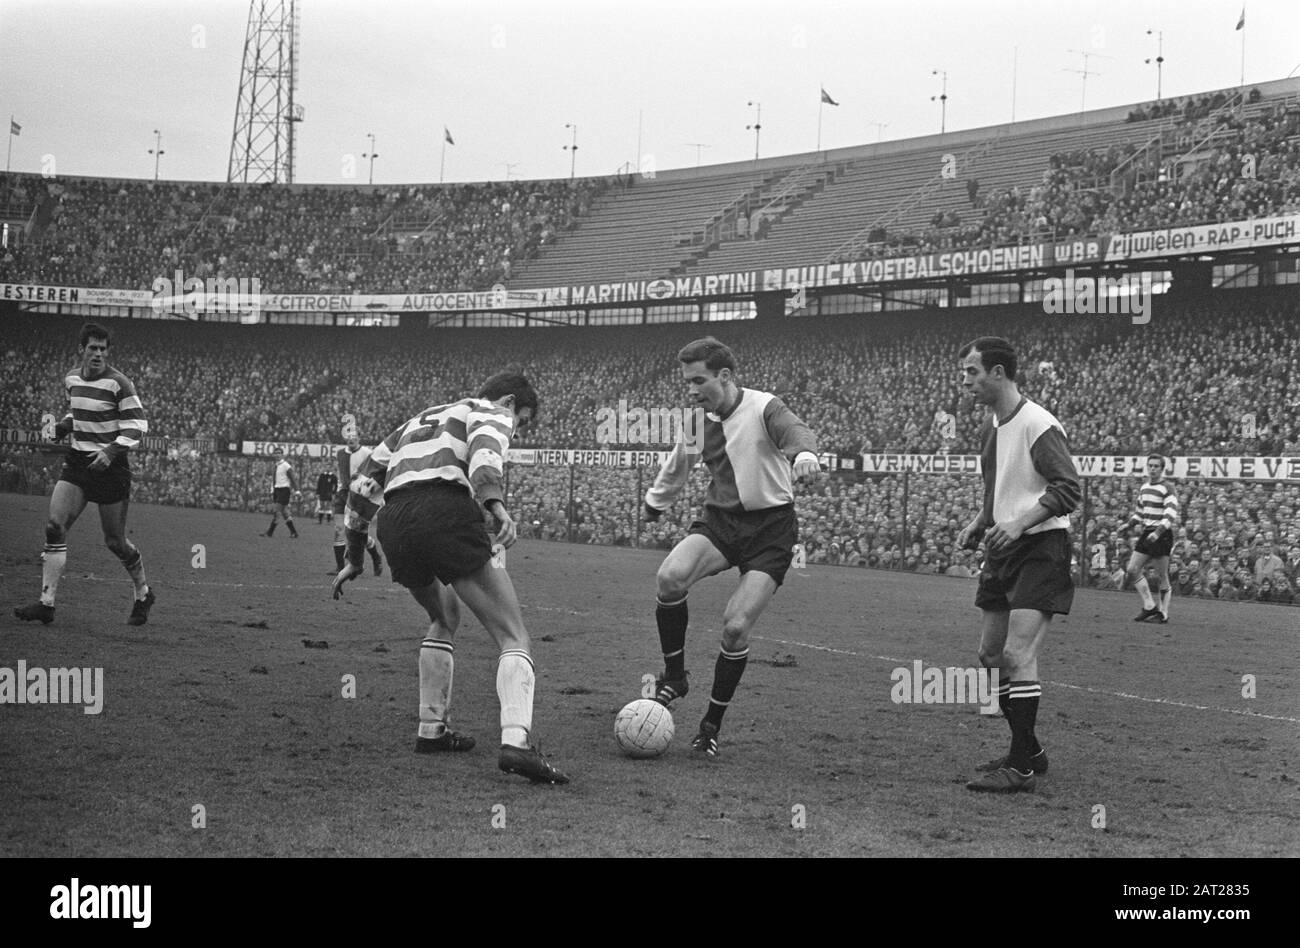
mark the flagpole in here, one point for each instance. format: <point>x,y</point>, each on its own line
<point>1243,46</point>
<point>9,152</point>
<point>821,107</point>
<point>442,166</point>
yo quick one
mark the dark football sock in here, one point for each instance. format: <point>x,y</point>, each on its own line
<point>271,530</point>
<point>1022,712</point>
<point>339,550</point>
<point>726,676</point>
<point>671,618</point>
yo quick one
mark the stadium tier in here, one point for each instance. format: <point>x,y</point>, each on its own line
<point>1230,155</point>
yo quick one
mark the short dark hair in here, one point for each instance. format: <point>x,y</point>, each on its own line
<point>993,350</point>
<point>93,331</point>
<point>1158,457</point>
<point>513,383</point>
<point>711,352</point>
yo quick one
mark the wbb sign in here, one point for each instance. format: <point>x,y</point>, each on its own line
<point>659,289</point>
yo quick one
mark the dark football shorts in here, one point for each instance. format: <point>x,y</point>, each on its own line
<point>433,532</point>
<point>281,495</point>
<point>1161,547</point>
<point>340,501</point>
<point>760,540</point>
<point>1033,574</point>
<point>109,486</point>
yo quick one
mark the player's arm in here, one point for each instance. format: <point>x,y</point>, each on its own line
<point>793,438</point>
<point>342,462</point>
<point>131,426</point>
<point>970,535</point>
<point>487,433</point>
<point>1170,517</point>
<point>1051,458</point>
<point>670,479</point>
<point>63,427</point>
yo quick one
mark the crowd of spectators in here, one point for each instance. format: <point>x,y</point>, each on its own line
<point>1217,163</point>
<point>124,234</point>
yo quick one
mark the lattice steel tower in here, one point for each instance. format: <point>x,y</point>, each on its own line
<point>261,148</point>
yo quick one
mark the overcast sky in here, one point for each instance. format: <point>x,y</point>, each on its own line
<point>89,81</point>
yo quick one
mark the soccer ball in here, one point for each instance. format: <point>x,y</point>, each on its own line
<point>644,728</point>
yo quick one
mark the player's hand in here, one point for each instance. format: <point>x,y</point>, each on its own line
<point>970,536</point>
<point>507,533</point>
<point>349,571</point>
<point>652,514</point>
<point>807,471</point>
<point>101,461</point>
<point>1001,536</point>
<point>62,430</point>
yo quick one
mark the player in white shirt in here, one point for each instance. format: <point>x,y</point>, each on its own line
<point>350,460</point>
<point>284,487</point>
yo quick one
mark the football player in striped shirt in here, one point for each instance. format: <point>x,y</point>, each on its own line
<point>106,421</point>
<point>1155,517</point>
<point>1030,488</point>
<point>753,447</point>
<point>430,482</point>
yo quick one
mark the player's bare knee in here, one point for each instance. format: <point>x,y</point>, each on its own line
<point>990,659</point>
<point>671,583</point>
<point>55,532</point>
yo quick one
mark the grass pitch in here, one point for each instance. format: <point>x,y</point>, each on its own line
<point>218,703</point>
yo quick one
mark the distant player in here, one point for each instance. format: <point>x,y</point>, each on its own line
<point>284,487</point>
<point>1030,488</point>
<point>349,461</point>
<point>752,444</point>
<point>106,421</point>
<point>435,476</point>
<point>1155,517</point>
<point>327,485</point>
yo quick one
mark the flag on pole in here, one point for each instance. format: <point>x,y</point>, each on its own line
<point>14,128</point>
<point>447,136</point>
<point>1241,23</point>
<point>826,97</point>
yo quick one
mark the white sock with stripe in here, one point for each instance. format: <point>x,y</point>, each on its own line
<point>515,681</point>
<point>437,667</point>
<point>54,559</point>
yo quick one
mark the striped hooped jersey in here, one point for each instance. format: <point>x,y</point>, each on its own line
<point>106,413</point>
<point>1157,506</point>
<point>748,454</point>
<point>464,443</point>
<point>1026,461</point>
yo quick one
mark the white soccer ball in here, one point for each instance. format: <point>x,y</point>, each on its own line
<point>644,728</point>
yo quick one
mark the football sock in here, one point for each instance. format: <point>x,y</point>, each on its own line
<point>339,550</point>
<point>288,522</point>
<point>320,518</point>
<point>1022,712</point>
<point>726,676</point>
<point>270,531</point>
<point>515,680</point>
<point>436,669</point>
<point>1144,590</point>
<point>1004,693</point>
<point>134,563</point>
<point>56,557</point>
<point>671,618</point>
<point>373,548</point>
<point>1165,593</point>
